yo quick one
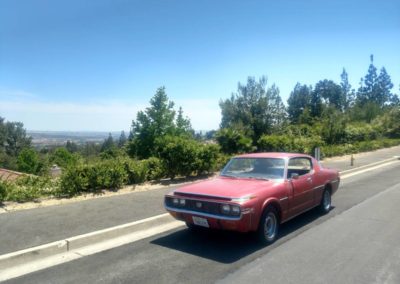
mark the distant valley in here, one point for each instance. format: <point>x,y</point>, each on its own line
<point>54,138</point>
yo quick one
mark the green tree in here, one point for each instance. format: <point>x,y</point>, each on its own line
<point>122,139</point>
<point>333,126</point>
<point>71,146</point>
<point>90,149</point>
<point>16,138</point>
<point>63,158</point>
<point>156,121</point>
<point>348,93</point>
<point>108,143</point>
<point>254,108</point>
<point>233,141</point>
<point>29,162</point>
<point>316,105</point>
<point>183,125</point>
<point>331,93</point>
<point>178,154</point>
<point>2,141</point>
<point>373,88</point>
<point>385,86</point>
<point>299,100</point>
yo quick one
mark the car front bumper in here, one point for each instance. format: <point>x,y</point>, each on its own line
<point>242,223</point>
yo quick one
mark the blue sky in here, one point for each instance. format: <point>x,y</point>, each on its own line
<point>91,65</point>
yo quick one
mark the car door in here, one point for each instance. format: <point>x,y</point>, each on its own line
<point>302,184</point>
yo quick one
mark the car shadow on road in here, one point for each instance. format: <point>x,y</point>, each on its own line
<point>228,247</point>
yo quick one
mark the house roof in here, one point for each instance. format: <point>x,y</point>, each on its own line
<point>9,175</point>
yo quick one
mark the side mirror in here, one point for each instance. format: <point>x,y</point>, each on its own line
<point>294,176</point>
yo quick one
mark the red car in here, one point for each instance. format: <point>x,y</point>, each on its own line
<point>256,192</point>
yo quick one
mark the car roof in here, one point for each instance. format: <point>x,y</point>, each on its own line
<point>272,155</point>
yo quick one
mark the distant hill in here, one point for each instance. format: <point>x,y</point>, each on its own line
<point>54,138</point>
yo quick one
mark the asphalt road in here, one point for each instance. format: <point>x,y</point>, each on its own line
<point>180,256</point>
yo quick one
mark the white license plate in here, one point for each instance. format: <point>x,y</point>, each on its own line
<point>200,221</point>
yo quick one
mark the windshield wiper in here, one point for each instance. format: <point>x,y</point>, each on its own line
<point>231,176</point>
<point>260,178</point>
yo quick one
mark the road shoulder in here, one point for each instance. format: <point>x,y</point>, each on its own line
<point>358,246</point>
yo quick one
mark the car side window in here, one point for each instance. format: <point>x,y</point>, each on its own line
<point>300,166</point>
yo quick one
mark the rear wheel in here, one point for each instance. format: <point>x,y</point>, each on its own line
<point>326,202</point>
<point>269,226</point>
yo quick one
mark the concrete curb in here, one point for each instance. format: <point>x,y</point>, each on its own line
<point>24,256</point>
<point>27,255</point>
<point>370,165</point>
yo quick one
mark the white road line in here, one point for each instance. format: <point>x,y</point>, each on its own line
<point>368,169</point>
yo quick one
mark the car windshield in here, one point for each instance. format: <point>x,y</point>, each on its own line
<point>258,168</point>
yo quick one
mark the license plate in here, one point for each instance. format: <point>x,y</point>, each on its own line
<point>200,221</point>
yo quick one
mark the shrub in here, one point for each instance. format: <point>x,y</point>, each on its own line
<point>28,161</point>
<point>284,143</point>
<point>155,168</point>
<point>360,132</point>
<point>73,180</point>
<point>207,158</point>
<point>63,158</point>
<point>389,123</point>
<point>306,144</point>
<point>112,174</point>
<point>363,146</point>
<point>3,190</point>
<point>109,174</point>
<point>178,154</point>
<point>28,188</point>
<point>275,143</point>
<point>233,141</point>
<point>222,161</point>
<point>137,171</point>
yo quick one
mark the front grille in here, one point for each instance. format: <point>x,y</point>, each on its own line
<point>207,207</point>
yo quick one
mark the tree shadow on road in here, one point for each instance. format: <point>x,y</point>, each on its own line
<point>229,247</point>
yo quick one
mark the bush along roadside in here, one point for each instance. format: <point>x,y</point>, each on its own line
<point>178,157</point>
<point>357,147</point>
<point>27,188</point>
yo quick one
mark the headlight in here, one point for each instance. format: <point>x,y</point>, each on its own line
<point>182,202</point>
<point>226,209</point>
<point>235,210</point>
<point>175,201</point>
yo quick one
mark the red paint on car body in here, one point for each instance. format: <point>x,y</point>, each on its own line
<point>290,196</point>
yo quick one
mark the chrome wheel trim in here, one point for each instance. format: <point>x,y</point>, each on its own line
<point>327,200</point>
<point>270,226</point>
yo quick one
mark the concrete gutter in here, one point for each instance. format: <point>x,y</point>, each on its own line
<point>24,256</point>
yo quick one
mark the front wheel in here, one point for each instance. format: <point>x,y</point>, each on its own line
<point>269,225</point>
<point>326,202</point>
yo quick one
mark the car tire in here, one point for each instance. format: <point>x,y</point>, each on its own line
<point>269,226</point>
<point>326,201</point>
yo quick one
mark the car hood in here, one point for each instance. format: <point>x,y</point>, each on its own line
<point>224,187</point>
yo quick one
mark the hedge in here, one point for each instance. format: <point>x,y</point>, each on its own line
<point>363,146</point>
<point>285,143</point>
<point>186,158</point>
